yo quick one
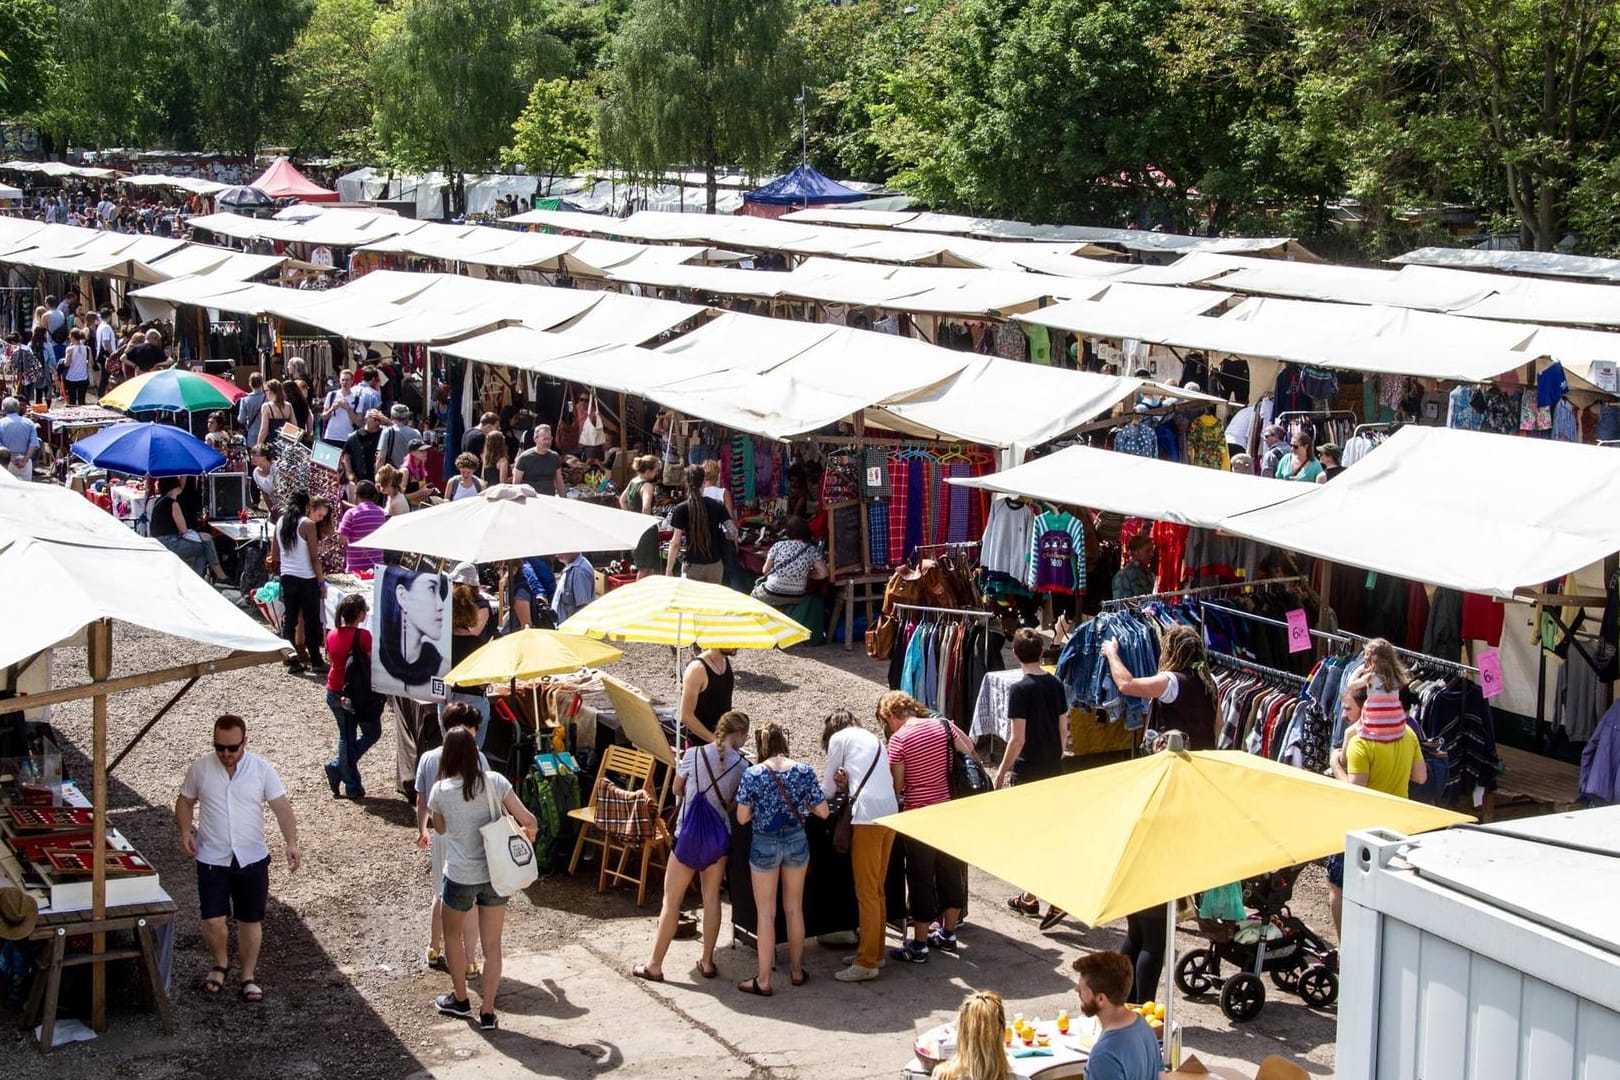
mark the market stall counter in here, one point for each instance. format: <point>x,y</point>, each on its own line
<point>829,889</point>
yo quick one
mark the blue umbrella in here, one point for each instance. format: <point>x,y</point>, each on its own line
<point>149,450</point>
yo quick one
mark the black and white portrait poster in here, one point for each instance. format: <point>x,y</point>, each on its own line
<point>411,616</point>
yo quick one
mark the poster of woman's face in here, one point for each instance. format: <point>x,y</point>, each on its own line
<point>412,618</point>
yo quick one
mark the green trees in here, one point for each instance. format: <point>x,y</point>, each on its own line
<point>450,77</point>
<point>328,73</point>
<point>238,42</point>
<point>708,83</point>
<point>555,134</point>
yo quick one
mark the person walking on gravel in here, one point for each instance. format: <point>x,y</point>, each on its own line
<point>228,791</point>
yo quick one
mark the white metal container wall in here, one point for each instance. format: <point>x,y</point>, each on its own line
<point>1455,988</point>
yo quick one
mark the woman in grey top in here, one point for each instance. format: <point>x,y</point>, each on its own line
<point>458,807</point>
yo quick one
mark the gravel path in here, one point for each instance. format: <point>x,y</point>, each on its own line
<point>343,971</point>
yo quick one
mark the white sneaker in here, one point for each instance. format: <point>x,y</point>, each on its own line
<point>849,961</point>
<point>856,973</point>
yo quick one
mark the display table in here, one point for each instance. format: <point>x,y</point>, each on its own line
<point>129,504</point>
<point>1064,1056</point>
<point>829,888</point>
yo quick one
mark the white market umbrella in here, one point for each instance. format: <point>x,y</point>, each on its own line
<point>510,521</point>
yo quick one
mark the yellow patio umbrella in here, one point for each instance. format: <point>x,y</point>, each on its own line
<point>529,654</point>
<point>679,611</point>
<point>1106,842</point>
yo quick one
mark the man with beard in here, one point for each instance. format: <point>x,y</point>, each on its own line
<point>1127,1048</point>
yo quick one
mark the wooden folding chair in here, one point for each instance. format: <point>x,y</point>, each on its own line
<point>633,770</point>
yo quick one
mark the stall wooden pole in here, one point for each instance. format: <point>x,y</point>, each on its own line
<point>99,650</point>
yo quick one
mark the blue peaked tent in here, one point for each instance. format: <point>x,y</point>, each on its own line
<point>804,186</point>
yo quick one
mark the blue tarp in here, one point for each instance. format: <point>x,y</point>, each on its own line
<point>804,186</point>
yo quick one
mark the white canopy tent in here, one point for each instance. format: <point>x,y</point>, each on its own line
<point>1139,486</point>
<point>1419,506</point>
<point>991,402</point>
<point>195,185</point>
<point>1538,263</point>
<point>69,564</point>
<point>328,227</point>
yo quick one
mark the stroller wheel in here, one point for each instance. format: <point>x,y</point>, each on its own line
<point>1285,979</point>
<point>1198,972</point>
<point>1242,997</point>
<point>1319,986</point>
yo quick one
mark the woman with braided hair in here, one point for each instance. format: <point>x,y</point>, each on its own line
<point>698,520</point>
<point>1182,691</point>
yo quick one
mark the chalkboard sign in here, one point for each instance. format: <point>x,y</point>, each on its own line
<point>846,539</point>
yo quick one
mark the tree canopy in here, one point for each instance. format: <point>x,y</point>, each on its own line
<point>1198,115</point>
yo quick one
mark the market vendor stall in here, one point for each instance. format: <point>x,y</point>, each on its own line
<point>69,565</point>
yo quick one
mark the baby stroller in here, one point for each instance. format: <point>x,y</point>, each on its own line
<point>1273,941</point>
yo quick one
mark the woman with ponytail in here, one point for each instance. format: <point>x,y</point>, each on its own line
<point>698,520</point>
<point>295,553</point>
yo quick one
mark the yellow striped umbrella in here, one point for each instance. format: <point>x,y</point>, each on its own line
<point>679,611</point>
<point>529,654</point>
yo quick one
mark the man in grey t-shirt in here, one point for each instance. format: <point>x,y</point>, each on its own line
<point>395,443</point>
<point>540,466</point>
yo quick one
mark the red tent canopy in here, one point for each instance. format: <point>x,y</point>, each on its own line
<point>282,181</point>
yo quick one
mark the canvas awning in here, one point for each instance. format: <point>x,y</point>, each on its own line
<point>282,180</point>
<point>330,227</point>
<point>479,244</point>
<point>69,564</point>
<point>1468,510</point>
<point>1139,486</point>
<point>220,264</point>
<point>1541,263</point>
<point>994,402</point>
<point>180,183</point>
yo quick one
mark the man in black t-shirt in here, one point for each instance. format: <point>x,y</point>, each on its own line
<point>360,448</point>
<point>148,355</point>
<point>1038,730</point>
<point>473,442</point>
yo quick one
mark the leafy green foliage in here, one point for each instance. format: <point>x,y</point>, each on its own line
<point>705,83</point>
<point>240,41</point>
<point>328,73</point>
<point>555,134</point>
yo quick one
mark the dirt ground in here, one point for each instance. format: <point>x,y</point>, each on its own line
<point>347,991</point>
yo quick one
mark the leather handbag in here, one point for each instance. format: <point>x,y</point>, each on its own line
<point>967,776</point>
<point>843,830</point>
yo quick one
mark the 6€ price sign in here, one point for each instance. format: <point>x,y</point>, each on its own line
<point>1299,631</point>
<point>1490,673</point>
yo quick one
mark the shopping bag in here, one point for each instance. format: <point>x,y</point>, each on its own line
<point>1224,902</point>
<point>704,837</point>
<point>510,856</point>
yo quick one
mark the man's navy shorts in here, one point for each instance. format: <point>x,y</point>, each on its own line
<point>237,890</point>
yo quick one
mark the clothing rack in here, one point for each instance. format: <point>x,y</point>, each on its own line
<point>1344,637</point>
<point>1225,660</point>
<point>954,546</point>
<point>1388,427</point>
<point>966,613</point>
<point>1201,590</point>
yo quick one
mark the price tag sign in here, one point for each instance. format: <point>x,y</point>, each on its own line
<point>1299,631</point>
<point>874,476</point>
<point>1490,673</point>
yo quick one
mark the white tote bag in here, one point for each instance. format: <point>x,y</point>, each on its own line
<point>507,851</point>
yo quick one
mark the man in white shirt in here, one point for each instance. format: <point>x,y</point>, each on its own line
<point>338,411</point>
<point>229,789</point>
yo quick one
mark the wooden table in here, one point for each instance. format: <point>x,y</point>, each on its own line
<point>55,929</point>
<point>871,589</point>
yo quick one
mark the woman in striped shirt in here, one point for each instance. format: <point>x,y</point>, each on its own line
<point>920,758</point>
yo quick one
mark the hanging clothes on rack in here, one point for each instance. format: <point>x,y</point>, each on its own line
<point>1057,554</point>
<point>1085,674</point>
<point>1009,537</point>
<point>942,656</point>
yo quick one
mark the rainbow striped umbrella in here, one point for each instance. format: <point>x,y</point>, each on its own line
<point>173,390</point>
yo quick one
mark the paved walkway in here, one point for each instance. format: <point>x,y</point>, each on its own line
<point>576,1012</point>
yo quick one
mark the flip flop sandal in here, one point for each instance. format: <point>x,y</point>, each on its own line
<point>640,971</point>
<point>213,985</point>
<point>800,979</point>
<point>708,972</point>
<point>1054,915</point>
<point>251,991</point>
<point>751,986</point>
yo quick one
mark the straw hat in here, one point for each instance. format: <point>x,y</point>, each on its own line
<point>18,914</point>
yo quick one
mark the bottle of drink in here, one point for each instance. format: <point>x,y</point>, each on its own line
<point>1063,1021</point>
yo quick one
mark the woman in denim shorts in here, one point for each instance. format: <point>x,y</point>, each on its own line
<point>775,796</point>
<point>458,807</point>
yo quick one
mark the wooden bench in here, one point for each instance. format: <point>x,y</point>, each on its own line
<point>1531,784</point>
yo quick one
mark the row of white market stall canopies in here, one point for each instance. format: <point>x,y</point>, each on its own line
<point>1471,511</point>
